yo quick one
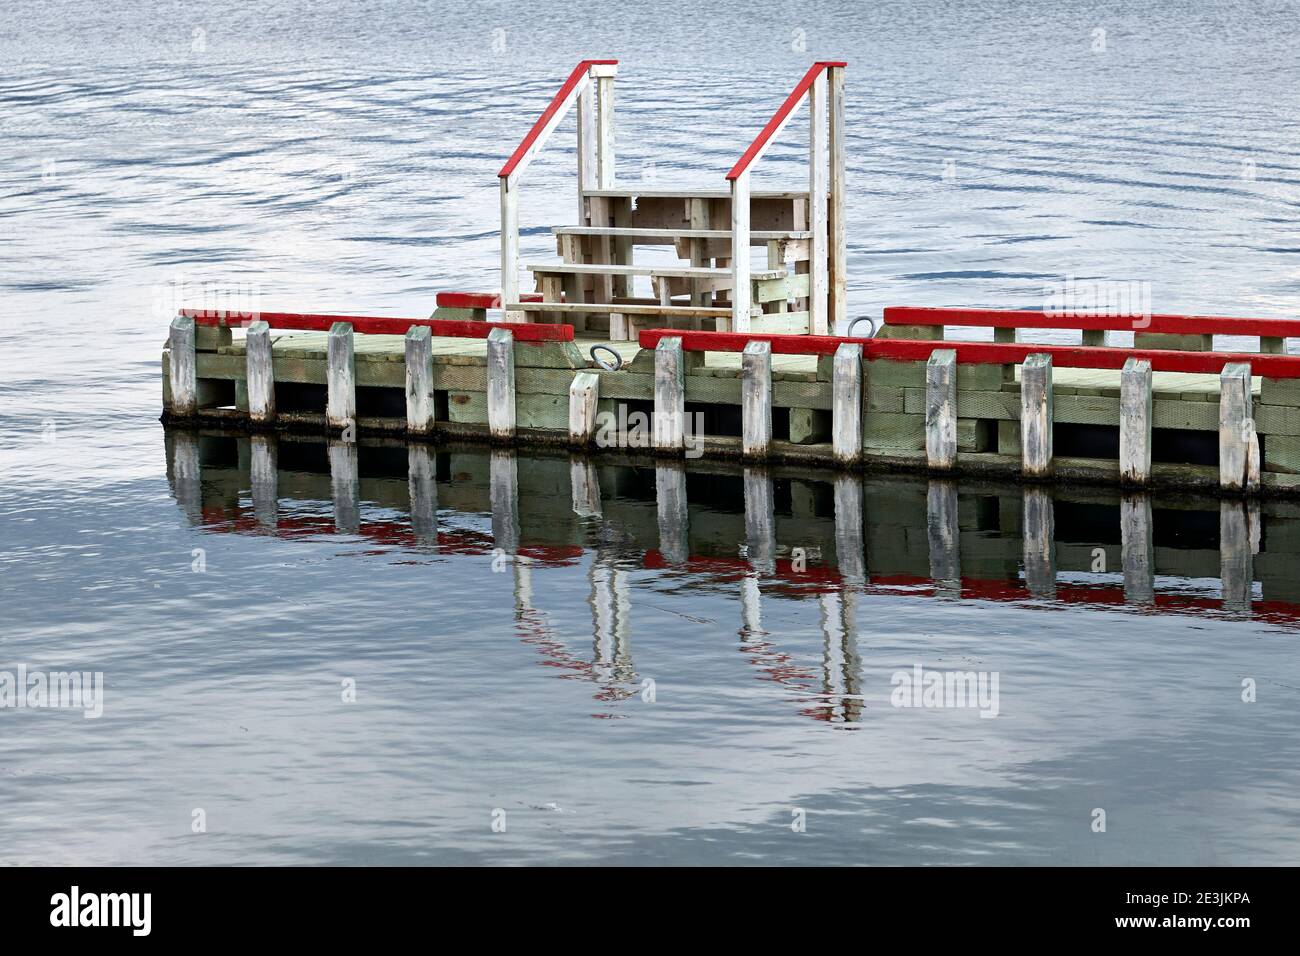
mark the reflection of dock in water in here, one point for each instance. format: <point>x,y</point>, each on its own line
<point>756,534</point>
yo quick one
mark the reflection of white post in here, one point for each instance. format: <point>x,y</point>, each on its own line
<point>602,609</point>
<point>760,521</point>
<point>944,533</point>
<point>503,484</point>
<point>849,550</point>
<point>585,484</point>
<point>674,521</point>
<point>263,481</point>
<point>422,482</point>
<point>832,623</point>
<point>751,608</point>
<point>1236,564</point>
<point>1137,552</point>
<point>1040,543</point>
<point>186,474</point>
<point>345,486</point>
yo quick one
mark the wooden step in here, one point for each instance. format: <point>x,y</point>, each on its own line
<point>665,272</point>
<point>755,238</point>
<point>625,308</point>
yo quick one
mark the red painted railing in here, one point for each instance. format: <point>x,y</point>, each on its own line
<point>780,117</point>
<point>383,325</point>
<point>984,353</point>
<point>479,300</point>
<point>1017,319</point>
<point>557,102</point>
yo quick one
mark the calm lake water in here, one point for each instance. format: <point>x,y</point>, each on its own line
<point>643,682</point>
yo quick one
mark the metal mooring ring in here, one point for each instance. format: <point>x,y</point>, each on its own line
<point>863,318</point>
<point>618,359</point>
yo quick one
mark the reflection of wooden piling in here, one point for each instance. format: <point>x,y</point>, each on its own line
<point>183,368</point>
<point>611,612</point>
<point>849,546</point>
<point>670,395</point>
<point>503,480</point>
<point>501,384</point>
<point>263,480</point>
<point>751,608</point>
<point>423,486</point>
<point>841,663</point>
<point>674,521</point>
<point>345,486</point>
<point>846,403</point>
<point>186,473</point>
<point>941,410</point>
<point>260,373</point>
<point>756,399</point>
<point>1238,443</point>
<point>1235,556</point>
<point>944,535</point>
<point>1040,543</point>
<point>760,521</point>
<point>419,380</point>
<point>1137,552</point>
<point>585,483</point>
<point>341,377</point>
<point>1036,416</point>
<point>1135,422</point>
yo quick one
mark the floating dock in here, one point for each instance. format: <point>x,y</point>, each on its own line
<point>725,360</point>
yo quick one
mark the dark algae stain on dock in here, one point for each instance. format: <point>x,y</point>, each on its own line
<point>436,628</point>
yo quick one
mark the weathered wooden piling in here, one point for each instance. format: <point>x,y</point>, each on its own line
<point>846,403</point>
<point>501,384</point>
<point>260,370</point>
<point>674,519</point>
<point>756,399</point>
<point>670,395</point>
<point>263,480</point>
<point>341,380</point>
<point>1135,422</point>
<point>941,410</point>
<point>183,368</point>
<point>1238,443</point>
<point>584,397</point>
<point>419,380</point>
<point>1036,416</point>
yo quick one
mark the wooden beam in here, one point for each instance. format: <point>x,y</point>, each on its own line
<point>941,410</point>
<point>341,377</point>
<point>509,243</point>
<point>1036,416</point>
<point>837,268</point>
<point>740,290</point>
<point>756,399</point>
<point>419,381</point>
<point>1135,422</point>
<point>183,368</point>
<point>501,384</point>
<point>846,403</point>
<point>260,374</point>
<point>670,395</point>
<point>817,186</point>
<point>1238,443</point>
<point>584,394</point>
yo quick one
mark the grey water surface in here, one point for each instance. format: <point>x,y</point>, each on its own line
<point>630,686</point>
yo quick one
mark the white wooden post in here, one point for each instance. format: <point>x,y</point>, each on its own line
<point>1135,422</point>
<point>670,395</point>
<point>941,409</point>
<point>510,248</point>
<point>501,383</point>
<point>604,74</point>
<point>1036,416</point>
<point>259,374</point>
<point>817,184</point>
<point>756,399</point>
<point>182,367</point>
<point>584,393</point>
<point>587,116</point>
<point>1238,443</point>
<point>846,403</point>
<point>740,289</point>
<point>838,266</point>
<point>421,481</point>
<point>1137,551</point>
<point>419,380</point>
<point>341,377</point>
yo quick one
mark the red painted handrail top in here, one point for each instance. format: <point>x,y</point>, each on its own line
<point>779,117</point>
<point>382,325</point>
<point>1021,319</point>
<point>479,300</point>
<point>984,353</point>
<point>556,102</point>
